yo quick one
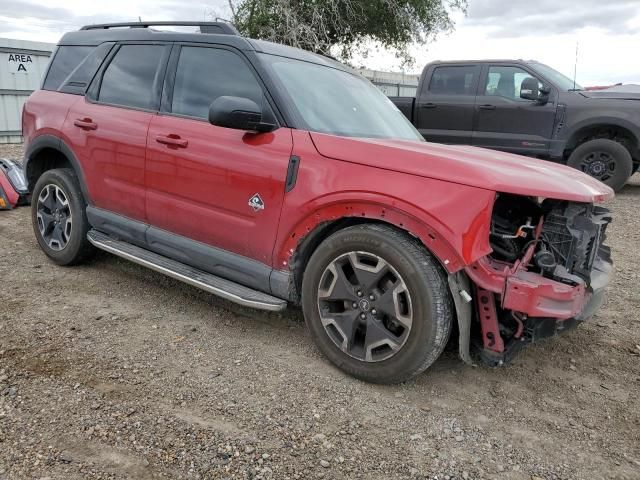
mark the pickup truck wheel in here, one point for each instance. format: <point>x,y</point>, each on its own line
<point>377,303</point>
<point>59,217</point>
<point>604,159</point>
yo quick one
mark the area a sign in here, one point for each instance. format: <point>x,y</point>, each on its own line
<point>19,62</point>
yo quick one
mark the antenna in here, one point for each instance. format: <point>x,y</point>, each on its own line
<point>575,68</point>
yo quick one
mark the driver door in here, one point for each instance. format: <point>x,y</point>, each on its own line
<point>203,181</point>
<point>507,122</point>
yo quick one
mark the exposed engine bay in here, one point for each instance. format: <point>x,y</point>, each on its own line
<point>567,235</point>
<point>547,250</point>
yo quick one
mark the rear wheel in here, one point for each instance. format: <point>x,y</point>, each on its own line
<point>377,303</point>
<point>59,217</point>
<point>604,159</point>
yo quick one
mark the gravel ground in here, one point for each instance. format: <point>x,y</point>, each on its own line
<point>109,370</point>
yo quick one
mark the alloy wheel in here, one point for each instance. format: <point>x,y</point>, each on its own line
<point>365,306</point>
<point>54,217</point>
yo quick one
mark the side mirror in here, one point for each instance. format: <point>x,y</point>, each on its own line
<point>529,89</point>
<point>238,113</point>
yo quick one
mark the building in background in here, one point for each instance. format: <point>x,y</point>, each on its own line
<point>22,65</point>
<point>393,84</point>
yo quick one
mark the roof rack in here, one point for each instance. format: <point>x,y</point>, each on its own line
<point>205,27</point>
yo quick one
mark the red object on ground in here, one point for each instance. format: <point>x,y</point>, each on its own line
<point>8,196</point>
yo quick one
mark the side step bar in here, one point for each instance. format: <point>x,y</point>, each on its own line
<point>210,283</point>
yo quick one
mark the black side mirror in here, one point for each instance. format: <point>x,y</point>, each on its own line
<point>238,113</point>
<point>529,89</point>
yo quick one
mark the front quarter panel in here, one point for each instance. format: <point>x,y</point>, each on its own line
<point>452,220</point>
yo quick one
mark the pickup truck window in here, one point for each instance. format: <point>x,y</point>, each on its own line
<point>337,102</point>
<point>204,74</point>
<point>505,82</point>
<point>454,80</point>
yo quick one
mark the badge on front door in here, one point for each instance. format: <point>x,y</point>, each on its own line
<point>256,202</point>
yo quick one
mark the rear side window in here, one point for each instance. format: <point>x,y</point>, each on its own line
<point>130,77</point>
<point>78,81</point>
<point>66,59</point>
<point>454,80</point>
<point>204,74</point>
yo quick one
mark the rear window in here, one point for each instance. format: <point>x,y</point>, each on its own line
<point>66,59</point>
<point>454,80</point>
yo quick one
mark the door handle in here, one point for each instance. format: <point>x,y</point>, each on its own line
<point>85,123</point>
<point>428,105</point>
<point>487,107</point>
<point>172,140</point>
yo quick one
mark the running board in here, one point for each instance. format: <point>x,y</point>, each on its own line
<point>210,283</point>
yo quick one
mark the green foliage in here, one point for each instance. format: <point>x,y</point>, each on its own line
<point>344,26</point>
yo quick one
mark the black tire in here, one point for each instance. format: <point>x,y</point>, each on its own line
<point>604,159</point>
<point>426,300</point>
<point>68,245</point>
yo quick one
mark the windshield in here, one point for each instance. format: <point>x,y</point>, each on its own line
<point>563,82</point>
<point>333,101</point>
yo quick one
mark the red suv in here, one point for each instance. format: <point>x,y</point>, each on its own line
<point>269,175</point>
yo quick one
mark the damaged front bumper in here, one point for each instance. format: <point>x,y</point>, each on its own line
<point>533,295</point>
<point>516,305</point>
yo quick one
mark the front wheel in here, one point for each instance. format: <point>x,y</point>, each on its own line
<point>377,303</point>
<point>604,159</point>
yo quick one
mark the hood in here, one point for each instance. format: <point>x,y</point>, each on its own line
<point>611,95</point>
<point>472,166</point>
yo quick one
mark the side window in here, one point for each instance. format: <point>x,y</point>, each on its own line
<point>130,77</point>
<point>78,80</point>
<point>454,80</point>
<point>505,82</point>
<point>66,59</point>
<point>204,74</point>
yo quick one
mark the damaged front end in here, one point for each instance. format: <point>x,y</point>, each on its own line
<point>548,272</point>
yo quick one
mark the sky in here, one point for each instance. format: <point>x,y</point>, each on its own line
<point>607,33</point>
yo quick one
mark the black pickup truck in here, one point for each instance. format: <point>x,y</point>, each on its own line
<point>528,108</point>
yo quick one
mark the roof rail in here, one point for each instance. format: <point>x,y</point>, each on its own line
<point>205,27</point>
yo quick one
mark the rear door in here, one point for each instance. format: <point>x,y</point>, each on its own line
<point>507,122</point>
<point>219,186</point>
<point>445,106</point>
<point>108,128</point>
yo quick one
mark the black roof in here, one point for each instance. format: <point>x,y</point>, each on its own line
<point>94,35</point>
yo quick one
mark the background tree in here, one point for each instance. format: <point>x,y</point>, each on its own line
<point>343,27</point>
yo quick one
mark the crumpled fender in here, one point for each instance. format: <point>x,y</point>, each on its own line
<point>451,220</point>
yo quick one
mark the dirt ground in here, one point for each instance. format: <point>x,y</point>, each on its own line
<point>109,370</point>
